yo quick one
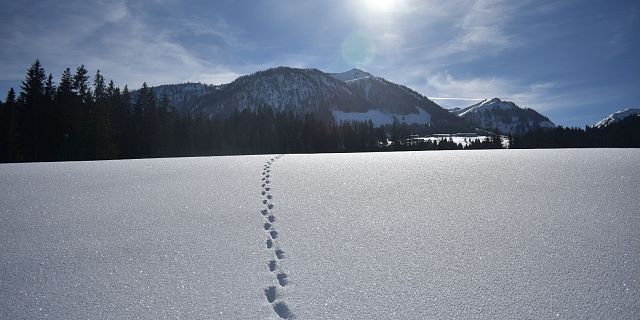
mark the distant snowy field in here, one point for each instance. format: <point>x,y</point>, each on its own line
<point>503,234</point>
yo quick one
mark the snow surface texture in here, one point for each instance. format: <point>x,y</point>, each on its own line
<point>162,238</point>
<point>503,234</point>
<point>379,118</point>
<point>617,116</point>
<point>273,293</point>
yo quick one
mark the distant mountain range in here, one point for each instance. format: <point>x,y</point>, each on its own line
<point>351,95</point>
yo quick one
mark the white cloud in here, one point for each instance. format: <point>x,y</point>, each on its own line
<point>481,30</point>
<point>459,91</point>
<point>119,40</point>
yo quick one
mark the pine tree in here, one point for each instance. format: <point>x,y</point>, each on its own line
<point>66,106</point>
<point>144,117</point>
<point>81,84</point>
<point>51,123</point>
<point>66,84</point>
<point>9,149</point>
<point>33,85</point>
<point>99,88</point>
<point>31,102</point>
<point>103,131</point>
<point>49,89</point>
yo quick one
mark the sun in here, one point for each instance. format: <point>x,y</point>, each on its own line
<point>380,6</point>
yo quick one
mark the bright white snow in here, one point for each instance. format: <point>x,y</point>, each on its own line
<point>162,238</point>
<point>379,118</point>
<point>617,116</point>
<point>506,234</point>
<point>500,234</point>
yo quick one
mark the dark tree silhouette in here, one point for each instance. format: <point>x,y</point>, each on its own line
<point>78,120</point>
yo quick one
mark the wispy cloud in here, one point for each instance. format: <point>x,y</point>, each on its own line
<point>445,87</point>
<point>483,29</point>
<point>120,40</point>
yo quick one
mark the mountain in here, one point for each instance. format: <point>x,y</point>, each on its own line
<point>617,116</point>
<point>351,95</point>
<point>182,94</point>
<point>353,74</point>
<point>506,116</point>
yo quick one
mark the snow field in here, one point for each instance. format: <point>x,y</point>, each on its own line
<point>158,238</point>
<point>502,234</point>
<point>489,234</point>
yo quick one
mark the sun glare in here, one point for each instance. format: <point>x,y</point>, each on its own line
<point>380,6</point>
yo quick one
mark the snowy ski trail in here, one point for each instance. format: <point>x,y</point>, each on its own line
<point>273,293</point>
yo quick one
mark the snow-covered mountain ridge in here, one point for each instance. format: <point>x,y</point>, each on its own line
<point>354,94</point>
<point>618,116</point>
<point>353,74</point>
<point>506,116</point>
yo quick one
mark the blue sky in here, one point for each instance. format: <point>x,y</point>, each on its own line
<point>574,61</point>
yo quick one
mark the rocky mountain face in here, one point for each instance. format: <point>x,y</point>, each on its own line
<point>505,116</point>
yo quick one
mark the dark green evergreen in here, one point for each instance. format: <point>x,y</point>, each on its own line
<point>80,121</point>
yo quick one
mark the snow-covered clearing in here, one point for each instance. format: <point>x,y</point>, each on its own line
<point>464,141</point>
<point>379,118</point>
<point>500,234</point>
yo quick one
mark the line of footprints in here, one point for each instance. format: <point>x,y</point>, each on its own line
<point>272,292</point>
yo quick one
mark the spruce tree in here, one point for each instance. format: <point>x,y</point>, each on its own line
<point>33,85</point>
<point>49,89</point>
<point>9,149</point>
<point>66,84</point>
<point>31,104</point>
<point>81,84</point>
<point>99,88</point>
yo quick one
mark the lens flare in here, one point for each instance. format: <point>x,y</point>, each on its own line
<point>358,49</point>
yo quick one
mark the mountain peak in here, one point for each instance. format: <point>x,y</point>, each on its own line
<point>617,116</point>
<point>504,115</point>
<point>352,74</point>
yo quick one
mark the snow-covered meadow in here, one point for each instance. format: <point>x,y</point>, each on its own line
<point>526,234</point>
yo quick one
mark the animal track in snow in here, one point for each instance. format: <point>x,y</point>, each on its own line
<point>282,310</point>
<point>271,292</point>
<point>282,279</point>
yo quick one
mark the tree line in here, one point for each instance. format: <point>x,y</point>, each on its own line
<point>621,134</point>
<point>80,119</point>
<point>89,119</point>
